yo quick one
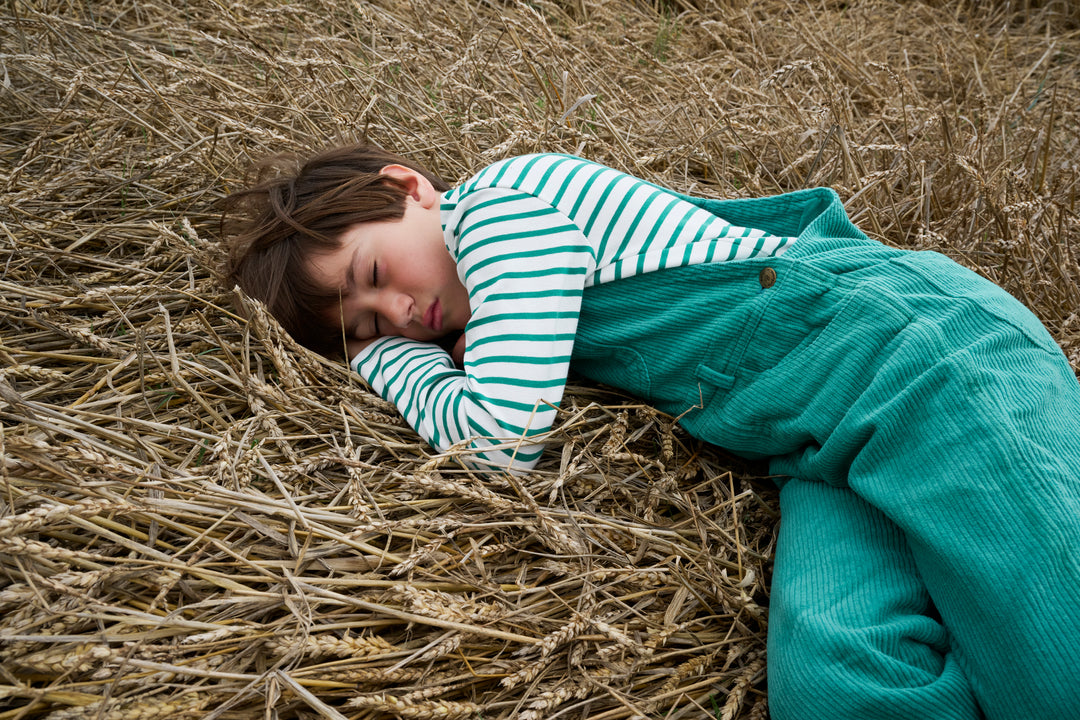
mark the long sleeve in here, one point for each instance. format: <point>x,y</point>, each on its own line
<point>528,235</point>
<point>524,264</point>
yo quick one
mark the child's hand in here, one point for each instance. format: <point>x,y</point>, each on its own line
<point>458,353</point>
<point>353,346</point>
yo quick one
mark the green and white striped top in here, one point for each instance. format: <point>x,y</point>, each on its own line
<point>529,234</point>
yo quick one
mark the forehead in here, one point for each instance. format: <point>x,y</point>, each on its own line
<point>330,268</point>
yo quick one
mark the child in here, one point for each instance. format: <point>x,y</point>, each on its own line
<point>928,564</point>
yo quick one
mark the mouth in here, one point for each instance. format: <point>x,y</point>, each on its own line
<point>433,318</point>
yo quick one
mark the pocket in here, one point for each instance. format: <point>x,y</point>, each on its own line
<point>789,320</point>
<point>620,367</point>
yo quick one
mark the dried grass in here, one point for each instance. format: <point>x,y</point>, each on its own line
<point>200,519</point>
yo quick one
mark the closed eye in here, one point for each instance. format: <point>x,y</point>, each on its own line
<point>375,284</point>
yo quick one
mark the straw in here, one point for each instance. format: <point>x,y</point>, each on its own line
<point>200,519</point>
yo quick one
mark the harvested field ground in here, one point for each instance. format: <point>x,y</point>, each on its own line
<point>199,519</point>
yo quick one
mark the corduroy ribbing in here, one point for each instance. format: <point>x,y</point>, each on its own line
<point>941,413</point>
<point>851,634</point>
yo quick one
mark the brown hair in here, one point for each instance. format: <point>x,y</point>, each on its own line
<point>299,207</point>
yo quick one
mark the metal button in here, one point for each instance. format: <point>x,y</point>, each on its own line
<point>767,277</point>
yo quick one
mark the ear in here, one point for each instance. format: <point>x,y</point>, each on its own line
<point>419,187</point>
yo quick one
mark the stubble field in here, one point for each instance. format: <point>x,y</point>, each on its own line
<point>199,519</point>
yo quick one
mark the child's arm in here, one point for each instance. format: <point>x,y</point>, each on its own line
<point>525,265</point>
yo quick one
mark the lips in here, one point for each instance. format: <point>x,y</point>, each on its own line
<point>433,319</point>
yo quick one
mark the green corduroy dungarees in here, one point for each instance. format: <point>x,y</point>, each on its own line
<point>930,428</point>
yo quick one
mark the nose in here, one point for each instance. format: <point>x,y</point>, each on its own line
<point>396,308</point>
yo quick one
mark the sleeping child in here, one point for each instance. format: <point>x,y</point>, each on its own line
<point>925,426</point>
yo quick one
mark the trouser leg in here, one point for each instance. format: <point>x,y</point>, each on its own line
<point>849,636</point>
<point>978,462</point>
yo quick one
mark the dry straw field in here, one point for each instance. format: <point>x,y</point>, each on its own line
<point>199,519</point>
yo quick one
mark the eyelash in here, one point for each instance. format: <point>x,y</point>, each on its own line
<point>375,283</point>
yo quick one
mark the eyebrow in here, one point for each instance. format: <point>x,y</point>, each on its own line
<point>350,272</point>
<point>350,284</point>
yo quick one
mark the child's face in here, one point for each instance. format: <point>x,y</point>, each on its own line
<point>396,277</point>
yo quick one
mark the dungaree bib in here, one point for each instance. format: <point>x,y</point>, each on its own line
<point>932,430</point>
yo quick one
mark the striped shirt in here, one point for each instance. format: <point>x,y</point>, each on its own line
<point>529,234</point>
